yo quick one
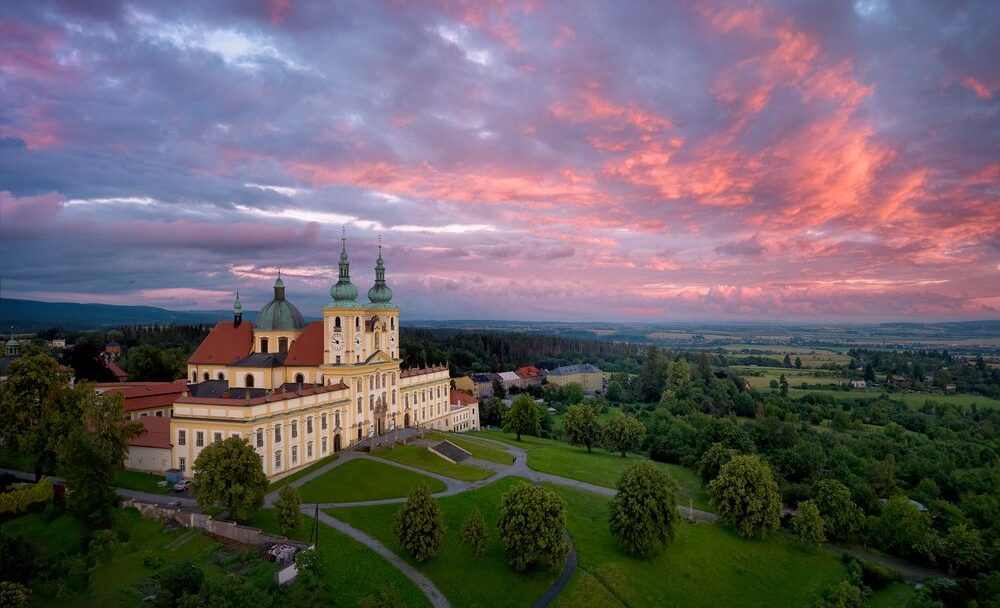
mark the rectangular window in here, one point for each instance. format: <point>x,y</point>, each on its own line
<point>295,454</point>
<point>336,420</point>
<point>277,433</point>
<point>182,463</point>
<point>309,449</point>
<point>217,437</point>
<point>159,413</point>
<point>260,438</point>
<point>322,422</point>
<point>338,359</point>
<point>199,439</point>
<point>143,415</point>
<point>182,437</point>
<point>295,429</point>
<point>234,435</point>
<point>309,425</point>
<point>277,459</point>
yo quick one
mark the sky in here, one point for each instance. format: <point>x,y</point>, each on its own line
<point>651,161</point>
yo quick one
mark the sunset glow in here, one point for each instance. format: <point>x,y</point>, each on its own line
<point>523,160</point>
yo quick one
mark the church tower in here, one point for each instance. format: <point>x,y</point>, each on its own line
<point>342,316</point>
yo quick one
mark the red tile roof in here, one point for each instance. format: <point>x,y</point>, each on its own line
<point>420,371</point>
<point>528,371</point>
<point>462,398</point>
<point>156,435</point>
<point>146,395</point>
<point>263,399</point>
<point>225,344</point>
<point>307,349</point>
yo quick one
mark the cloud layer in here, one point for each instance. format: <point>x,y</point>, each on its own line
<point>537,160</point>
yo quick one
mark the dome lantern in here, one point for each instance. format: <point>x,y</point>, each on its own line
<point>380,295</point>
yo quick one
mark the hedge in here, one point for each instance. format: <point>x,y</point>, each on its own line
<point>22,498</point>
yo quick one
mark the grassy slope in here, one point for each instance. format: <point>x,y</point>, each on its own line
<point>112,581</point>
<point>706,566</point>
<point>465,580</point>
<point>897,594</point>
<point>478,449</point>
<point>364,480</point>
<point>284,481</point>
<point>421,458</point>
<point>600,467</point>
<point>143,482</point>
<point>352,570</point>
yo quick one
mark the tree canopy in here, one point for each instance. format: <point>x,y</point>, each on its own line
<point>623,433</point>
<point>747,496</point>
<point>522,418</point>
<point>419,525</point>
<point>228,474</point>
<point>644,514</point>
<point>531,527</point>
<point>581,425</point>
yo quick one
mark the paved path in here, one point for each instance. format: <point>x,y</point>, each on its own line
<point>569,568</point>
<point>422,582</point>
<point>160,499</point>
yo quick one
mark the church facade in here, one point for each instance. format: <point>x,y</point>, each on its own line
<point>301,391</point>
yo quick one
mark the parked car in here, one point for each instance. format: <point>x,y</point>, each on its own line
<point>182,485</point>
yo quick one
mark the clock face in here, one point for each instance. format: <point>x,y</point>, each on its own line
<point>338,342</point>
<point>357,340</point>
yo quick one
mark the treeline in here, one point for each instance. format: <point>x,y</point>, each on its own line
<point>475,352</point>
<point>932,369</point>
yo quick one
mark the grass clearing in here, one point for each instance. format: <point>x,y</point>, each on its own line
<point>707,566</point>
<point>142,482</point>
<point>914,400</point>
<point>478,449</point>
<point>464,579</point>
<point>422,458</point>
<point>284,481</point>
<point>352,571</point>
<point>599,467</point>
<point>896,594</point>
<point>362,479</point>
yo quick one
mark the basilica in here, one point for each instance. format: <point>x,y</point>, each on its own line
<point>300,391</point>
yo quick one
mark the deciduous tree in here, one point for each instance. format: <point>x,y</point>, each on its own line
<point>581,425</point>
<point>623,433</point>
<point>289,515</point>
<point>419,525</point>
<point>644,513</point>
<point>531,527</point>
<point>522,418</point>
<point>746,495</point>
<point>712,460</point>
<point>228,474</point>
<point>841,517</point>
<point>808,524</point>
<point>474,532</point>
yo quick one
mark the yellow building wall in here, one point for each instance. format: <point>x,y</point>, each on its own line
<point>591,383</point>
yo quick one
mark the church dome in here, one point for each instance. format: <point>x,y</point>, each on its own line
<point>279,314</point>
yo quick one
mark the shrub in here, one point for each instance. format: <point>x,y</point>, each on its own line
<point>153,561</point>
<point>287,504</point>
<point>808,524</point>
<point>13,595</point>
<point>22,498</point>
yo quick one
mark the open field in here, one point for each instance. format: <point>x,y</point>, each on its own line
<point>760,377</point>
<point>284,481</point>
<point>478,449</point>
<point>143,482</point>
<point>113,580</point>
<point>599,467</point>
<point>464,579</point>
<point>352,571</point>
<point>707,566</point>
<point>422,458</point>
<point>811,356</point>
<point>914,400</point>
<point>365,480</point>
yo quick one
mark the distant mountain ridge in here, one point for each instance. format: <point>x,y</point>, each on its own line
<point>34,315</point>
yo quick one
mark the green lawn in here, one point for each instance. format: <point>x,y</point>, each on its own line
<point>284,481</point>
<point>599,467</point>
<point>464,579</point>
<point>142,482</point>
<point>352,570</point>
<point>422,458</point>
<point>10,459</point>
<point>478,449</point>
<point>896,594</point>
<point>706,566</point>
<point>112,582</point>
<point>365,480</point>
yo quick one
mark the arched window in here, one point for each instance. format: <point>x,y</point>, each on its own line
<point>393,376</point>
<point>299,379</point>
<point>204,376</point>
<point>371,383</point>
<point>336,323</point>
<point>263,345</point>
<point>392,322</point>
<point>359,405</point>
<point>282,345</point>
<point>383,380</point>
<point>357,385</point>
<point>194,376</point>
<point>221,376</point>
<point>248,381</point>
<point>394,396</point>
<point>357,322</point>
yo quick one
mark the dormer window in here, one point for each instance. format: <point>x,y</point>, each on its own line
<point>263,345</point>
